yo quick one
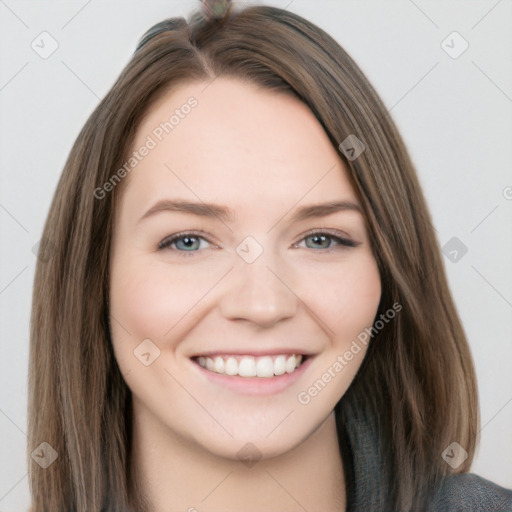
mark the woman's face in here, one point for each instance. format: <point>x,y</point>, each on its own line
<point>265,274</point>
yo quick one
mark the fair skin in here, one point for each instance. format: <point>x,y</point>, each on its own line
<point>264,156</point>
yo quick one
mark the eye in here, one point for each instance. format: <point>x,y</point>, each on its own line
<point>188,242</point>
<point>322,240</point>
<point>185,242</point>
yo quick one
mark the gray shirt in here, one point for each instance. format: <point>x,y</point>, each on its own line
<point>367,479</point>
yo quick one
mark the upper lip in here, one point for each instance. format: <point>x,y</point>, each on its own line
<point>254,353</point>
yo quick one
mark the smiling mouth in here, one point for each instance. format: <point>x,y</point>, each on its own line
<point>250,366</point>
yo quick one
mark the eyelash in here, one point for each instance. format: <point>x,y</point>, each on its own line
<point>343,242</point>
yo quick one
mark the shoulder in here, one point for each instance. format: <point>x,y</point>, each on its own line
<point>468,492</point>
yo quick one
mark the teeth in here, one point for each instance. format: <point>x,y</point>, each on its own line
<point>265,367</point>
<point>249,366</point>
<point>290,364</point>
<point>231,366</point>
<point>218,365</point>
<point>280,365</point>
<point>210,365</point>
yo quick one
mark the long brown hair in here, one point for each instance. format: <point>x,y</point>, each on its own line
<point>417,378</point>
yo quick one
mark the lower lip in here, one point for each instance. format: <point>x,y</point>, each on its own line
<point>256,385</point>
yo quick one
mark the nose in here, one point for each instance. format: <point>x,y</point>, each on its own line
<point>259,292</point>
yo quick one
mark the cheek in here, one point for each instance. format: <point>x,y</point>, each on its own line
<point>150,299</point>
<point>346,300</point>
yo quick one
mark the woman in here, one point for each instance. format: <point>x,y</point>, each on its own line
<point>238,310</point>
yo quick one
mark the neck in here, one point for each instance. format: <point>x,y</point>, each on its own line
<point>175,475</point>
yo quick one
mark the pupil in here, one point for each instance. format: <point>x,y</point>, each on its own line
<point>319,238</point>
<point>188,241</point>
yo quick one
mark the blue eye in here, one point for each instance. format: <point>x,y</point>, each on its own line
<point>185,243</point>
<point>320,238</point>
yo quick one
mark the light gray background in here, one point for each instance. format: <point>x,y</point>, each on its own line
<point>454,114</point>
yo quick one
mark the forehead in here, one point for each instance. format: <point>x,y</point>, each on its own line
<point>232,142</point>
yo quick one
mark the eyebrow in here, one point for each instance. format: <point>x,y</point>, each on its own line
<point>225,214</point>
